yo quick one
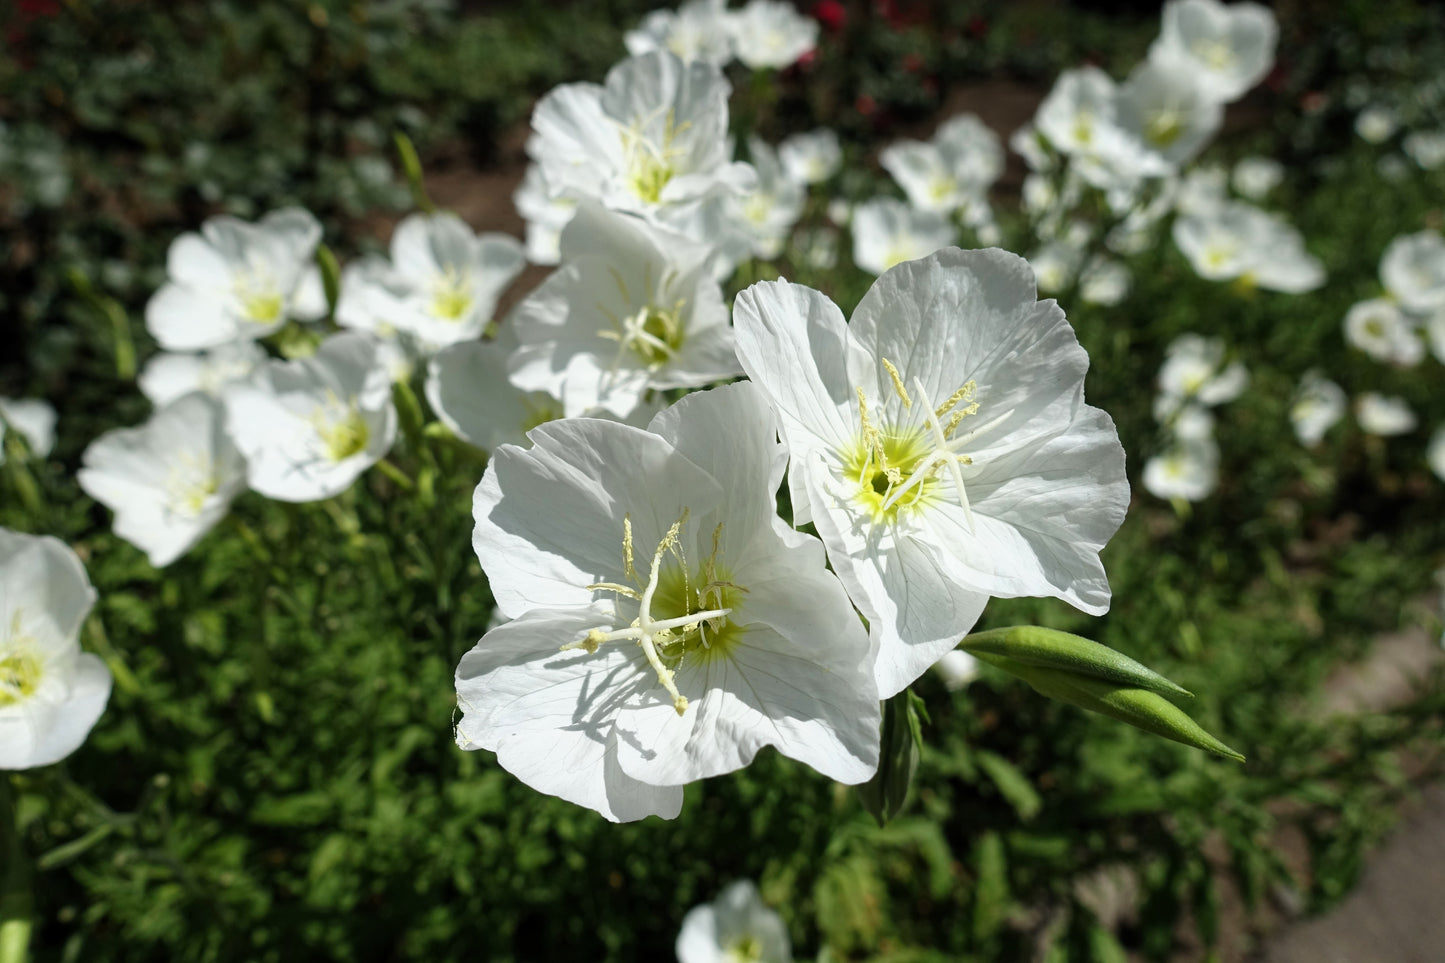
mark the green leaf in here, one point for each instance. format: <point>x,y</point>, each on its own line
<point>1064,652</point>
<point>886,793</point>
<point>330,276</point>
<point>1012,783</point>
<point>990,895</point>
<point>411,166</point>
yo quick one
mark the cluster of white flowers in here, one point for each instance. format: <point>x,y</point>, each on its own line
<point>763,34</point>
<point>1197,376</point>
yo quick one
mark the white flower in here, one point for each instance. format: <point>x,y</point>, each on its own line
<point>887,231</point>
<point>767,213</point>
<point>441,284</point>
<point>1413,270</point>
<point>309,427</point>
<point>1202,191</point>
<point>1318,404</point>
<point>546,213</point>
<point>941,444</point>
<point>666,624</point>
<point>771,34</point>
<point>1380,329</point>
<point>818,247</point>
<point>653,140</point>
<point>957,668</point>
<point>1194,369</point>
<point>1104,282</point>
<point>1237,240</point>
<point>697,30</point>
<point>1426,147</point>
<point>1187,420</point>
<point>232,281</point>
<point>467,386</point>
<point>1028,144</point>
<point>1384,416</point>
<point>168,481</point>
<point>737,927</point>
<point>31,419</point>
<point>1080,118</point>
<point>1189,470</point>
<point>1164,107</point>
<point>51,693</point>
<point>812,157</point>
<point>1255,177</point>
<point>632,308</point>
<point>1435,333</point>
<point>1375,125</point>
<point>1228,47</point>
<point>950,172</point>
<point>168,376</point>
<point>1435,453</point>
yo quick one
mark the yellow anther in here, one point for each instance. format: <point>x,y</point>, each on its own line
<point>957,418</point>
<point>680,704</point>
<point>897,383</point>
<point>628,568</point>
<point>622,590</point>
<point>964,393</point>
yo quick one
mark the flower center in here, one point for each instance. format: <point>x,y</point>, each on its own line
<point>1216,53</point>
<point>1164,126</point>
<point>652,333</point>
<point>190,481</point>
<point>744,949</point>
<point>20,667</point>
<point>256,289</point>
<point>452,294</point>
<point>340,427</point>
<point>649,166</point>
<point>682,613</point>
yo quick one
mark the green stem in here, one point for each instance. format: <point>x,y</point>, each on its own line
<point>15,897</point>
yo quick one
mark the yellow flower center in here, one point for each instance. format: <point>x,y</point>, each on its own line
<point>20,666</point>
<point>256,289</point>
<point>1164,126</point>
<point>649,166</point>
<point>340,427</point>
<point>190,481</point>
<point>744,949</point>
<point>452,295</point>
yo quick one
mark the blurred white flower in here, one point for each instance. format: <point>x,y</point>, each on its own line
<point>307,428</point>
<point>1189,470</point>
<point>957,668</point>
<point>233,280</point>
<point>1194,369</point>
<point>1380,329</point>
<point>941,445</point>
<point>1202,190</point>
<point>1435,453</point>
<point>633,308</point>
<point>1256,177</point>
<point>811,157</point>
<point>771,34</point>
<point>1187,420</point>
<point>1376,124</point>
<point>697,30</point>
<point>737,927</point>
<point>1413,270</point>
<point>666,624</point>
<point>51,693</point>
<point>1317,405</point>
<point>818,247</point>
<point>1228,48</point>
<point>546,213</point>
<point>1239,241</point>
<point>1435,333</point>
<point>441,284</point>
<point>767,213</point>
<point>33,420</point>
<point>886,231</point>
<point>168,481</point>
<point>1104,282</point>
<point>952,171</point>
<point>168,376</point>
<point>1383,415</point>
<point>1164,107</point>
<point>1426,147</point>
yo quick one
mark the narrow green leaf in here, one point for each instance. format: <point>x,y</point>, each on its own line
<point>886,793</point>
<point>1012,783</point>
<point>411,166</point>
<point>1064,652</point>
<point>990,896</point>
<point>330,276</point>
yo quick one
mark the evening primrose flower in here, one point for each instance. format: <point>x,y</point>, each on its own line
<point>1255,177</point>
<point>887,231</point>
<point>653,140</point>
<point>1163,106</point>
<point>171,375</point>
<point>1080,118</point>
<point>1228,48</point>
<point>771,34</point>
<point>633,308</point>
<point>232,281</point>
<point>1376,124</point>
<point>51,693</point>
<point>941,445</point>
<point>168,481</point>
<point>953,171</point>
<point>697,30</point>
<point>1412,270</point>
<point>767,213</point>
<point>441,285</point>
<point>1384,415</point>
<point>309,427</point>
<point>957,668</point>
<point>811,157</point>
<point>665,623</point>
<point>1426,147</point>
<point>1380,329</point>
<point>31,419</point>
<point>1189,470</point>
<point>737,927</point>
<point>1237,241</point>
<point>546,213</point>
<point>1317,405</point>
<point>1195,369</point>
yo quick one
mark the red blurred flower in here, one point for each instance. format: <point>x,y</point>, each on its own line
<point>912,63</point>
<point>31,9</point>
<point>831,14</point>
<point>978,27</point>
<point>865,105</point>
